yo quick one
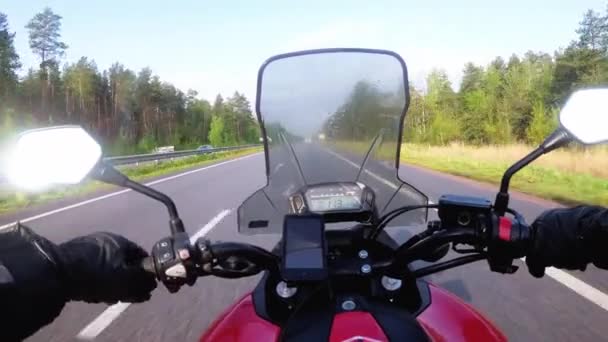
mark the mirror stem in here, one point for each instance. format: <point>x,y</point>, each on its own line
<point>108,174</point>
<point>555,140</point>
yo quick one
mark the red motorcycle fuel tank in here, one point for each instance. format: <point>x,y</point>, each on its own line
<point>447,318</point>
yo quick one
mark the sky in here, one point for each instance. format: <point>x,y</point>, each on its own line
<point>217,46</point>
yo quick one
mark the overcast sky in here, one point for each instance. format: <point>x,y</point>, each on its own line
<point>217,46</point>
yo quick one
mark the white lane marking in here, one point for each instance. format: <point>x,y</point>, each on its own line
<point>433,203</point>
<point>207,228</point>
<point>583,289</point>
<point>99,324</point>
<point>56,211</point>
<point>102,321</point>
<point>92,200</point>
<point>277,168</point>
<point>380,179</point>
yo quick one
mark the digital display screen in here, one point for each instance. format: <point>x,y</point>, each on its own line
<point>340,196</point>
<point>303,248</point>
<point>334,203</point>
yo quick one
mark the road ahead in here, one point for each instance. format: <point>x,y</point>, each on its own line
<point>526,309</point>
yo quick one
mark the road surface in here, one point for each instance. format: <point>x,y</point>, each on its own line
<point>525,308</point>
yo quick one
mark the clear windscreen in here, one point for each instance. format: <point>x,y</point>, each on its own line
<point>330,117</point>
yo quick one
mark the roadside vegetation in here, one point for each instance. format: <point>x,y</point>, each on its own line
<point>127,111</point>
<point>475,129</point>
<point>503,109</point>
<point>569,176</point>
<point>11,200</point>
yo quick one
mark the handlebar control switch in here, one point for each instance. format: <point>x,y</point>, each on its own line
<point>508,239</point>
<point>173,262</point>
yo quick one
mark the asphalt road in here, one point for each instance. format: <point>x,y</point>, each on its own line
<point>525,308</point>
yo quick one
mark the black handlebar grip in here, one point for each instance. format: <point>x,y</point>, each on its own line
<point>147,264</point>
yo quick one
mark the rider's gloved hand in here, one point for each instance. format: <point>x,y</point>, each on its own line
<point>31,289</point>
<point>105,267</point>
<point>570,239</point>
<point>37,277</point>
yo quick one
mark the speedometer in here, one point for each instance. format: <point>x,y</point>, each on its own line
<point>334,197</point>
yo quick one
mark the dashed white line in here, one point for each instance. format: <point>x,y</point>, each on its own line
<point>380,179</point>
<point>433,203</point>
<point>102,321</point>
<point>583,289</point>
<point>207,228</point>
<point>99,324</point>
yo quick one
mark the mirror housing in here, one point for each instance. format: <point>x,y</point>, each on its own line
<point>585,116</point>
<point>59,155</point>
<point>43,157</point>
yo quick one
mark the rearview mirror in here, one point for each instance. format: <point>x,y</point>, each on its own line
<point>585,116</point>
<point>56,155</point>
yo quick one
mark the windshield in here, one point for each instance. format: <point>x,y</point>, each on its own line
<point>330,116</point>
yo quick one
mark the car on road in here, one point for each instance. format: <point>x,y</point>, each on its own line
<point>207,148</point>
<point>164,149</point>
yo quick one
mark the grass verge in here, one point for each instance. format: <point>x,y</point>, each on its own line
<point>12,201</point>
<point>568,176</point>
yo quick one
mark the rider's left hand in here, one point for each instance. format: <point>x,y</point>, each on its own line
<point>32,293</point>
<point>105,267</point>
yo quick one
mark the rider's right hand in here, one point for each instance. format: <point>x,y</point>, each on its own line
<point>569,238</point>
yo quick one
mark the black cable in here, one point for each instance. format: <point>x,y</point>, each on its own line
<point>403,256</point>
<point>407,208</point>
<point>391,215</point>
<point>421,272</point>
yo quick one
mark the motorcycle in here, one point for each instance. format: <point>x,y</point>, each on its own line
<point>331,122</point>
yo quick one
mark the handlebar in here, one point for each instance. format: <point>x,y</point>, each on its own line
<point>174,265</point>
<point>175,261</point>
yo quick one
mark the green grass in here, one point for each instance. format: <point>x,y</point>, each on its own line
<point>570,176</point>
<point>19,200</point>
<point>542,179</point>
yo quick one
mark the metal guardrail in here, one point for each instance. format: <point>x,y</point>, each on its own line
<point>139,158</point>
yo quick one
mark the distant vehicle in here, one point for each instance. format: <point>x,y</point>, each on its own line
<point>205,148</point>
<point>164,149</point>
<point>267,138</point>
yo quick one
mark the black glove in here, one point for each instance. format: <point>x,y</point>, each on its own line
<point>105,267</point>
<point>38,277</point>
<point>569,239</point>
<point>31,290</point>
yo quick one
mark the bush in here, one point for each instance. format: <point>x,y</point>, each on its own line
<point>146,144</point>
<point>443,130</point>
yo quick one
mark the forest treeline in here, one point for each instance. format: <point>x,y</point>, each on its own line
<point>128,111</point>
<point>516,100</point>
<point>513,100</point>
